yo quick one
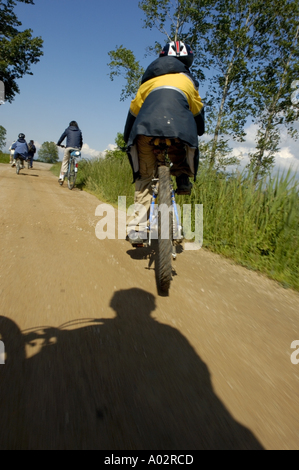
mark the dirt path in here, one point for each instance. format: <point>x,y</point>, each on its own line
<point>96,359</point>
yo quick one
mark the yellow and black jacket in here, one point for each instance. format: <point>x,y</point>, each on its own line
<point>167,104</point>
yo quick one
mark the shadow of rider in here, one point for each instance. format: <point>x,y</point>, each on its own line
<point>123,383</point>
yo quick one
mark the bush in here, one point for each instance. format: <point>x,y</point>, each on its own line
<point>4,157</point>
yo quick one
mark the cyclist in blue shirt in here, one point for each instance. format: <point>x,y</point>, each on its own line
<point>21,149</point>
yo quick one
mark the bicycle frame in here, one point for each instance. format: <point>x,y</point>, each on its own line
<point>72,159</point>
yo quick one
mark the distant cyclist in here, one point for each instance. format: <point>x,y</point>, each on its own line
<point>21,150</point>
<point>31,152</point>
<point>12,152</point>
<point>74,141</point>
<point>167,105</point>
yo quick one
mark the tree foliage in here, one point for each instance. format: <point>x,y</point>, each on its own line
<point>173,18</point>
<point>19,50</point>
<point>118,153</point>
<point>249,50</point>
<point>2,137</point>
<point>123,63</point>
<point>272,85</point>
<point>231,44</point>
<point>48,153</point>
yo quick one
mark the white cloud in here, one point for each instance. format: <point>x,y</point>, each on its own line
<point>37,145</point>
<point>111,147</point>
<point>88,152</point>
<point>285,153</point>
<point>286,157</point>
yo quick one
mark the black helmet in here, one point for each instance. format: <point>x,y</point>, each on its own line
<point>21,136</point>
<point>178,49</point>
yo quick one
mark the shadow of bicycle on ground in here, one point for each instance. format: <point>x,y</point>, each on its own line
<point>123,383</point>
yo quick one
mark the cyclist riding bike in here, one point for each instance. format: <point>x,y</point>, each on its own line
<point>21,150</point>
<point>74,141</point>
<point>167,106</point>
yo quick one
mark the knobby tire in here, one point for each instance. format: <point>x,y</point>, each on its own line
<point>72,176</point>
<point>165,245</point>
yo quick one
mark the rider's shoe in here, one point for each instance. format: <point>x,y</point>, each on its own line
<point>137,238</point>
<point>61,181</point>
<point>184,185</point>
<point>13,164</point>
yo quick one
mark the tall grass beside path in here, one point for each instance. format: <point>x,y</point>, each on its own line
<point>256,225</point>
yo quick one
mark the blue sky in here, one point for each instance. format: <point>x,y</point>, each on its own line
<point>71,81</point>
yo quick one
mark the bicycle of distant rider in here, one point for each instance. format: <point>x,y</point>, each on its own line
<point>19,165</point>
<point>72,170</point>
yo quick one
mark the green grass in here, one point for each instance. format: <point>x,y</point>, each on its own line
<point>4,157</point>
<point>255,225</point>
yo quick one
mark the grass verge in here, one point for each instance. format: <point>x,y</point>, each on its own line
<point>4,157</point>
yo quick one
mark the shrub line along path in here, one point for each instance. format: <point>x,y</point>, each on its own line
<point>96,359</point>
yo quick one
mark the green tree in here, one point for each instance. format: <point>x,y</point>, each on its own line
<point>123,63</point>
<point>216,31</point>
<point>233,40</point>
<point>2,137</point>
<point>170,19</point>
<point>118,153</point>
<point>19,50</point>
<point>235,43</point>
<point>48,153</point>
<point>272,86</point>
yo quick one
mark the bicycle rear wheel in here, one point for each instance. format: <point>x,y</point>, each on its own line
<point>165,238</point>
<point>18,166</point>
<point>72,175</point>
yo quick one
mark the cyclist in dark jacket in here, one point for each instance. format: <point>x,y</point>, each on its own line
<point>167,105</point>
<point>31,152</point>
<point>74,141</point>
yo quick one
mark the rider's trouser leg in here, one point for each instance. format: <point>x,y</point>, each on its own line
<point>177,155</point>
<point>65,161</point>
<point>143,189</point>
<point>148,169</point>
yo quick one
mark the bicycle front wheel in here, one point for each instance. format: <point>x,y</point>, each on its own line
<point>72,175</point>
<point>165,229</point>
<point>18,166</point>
